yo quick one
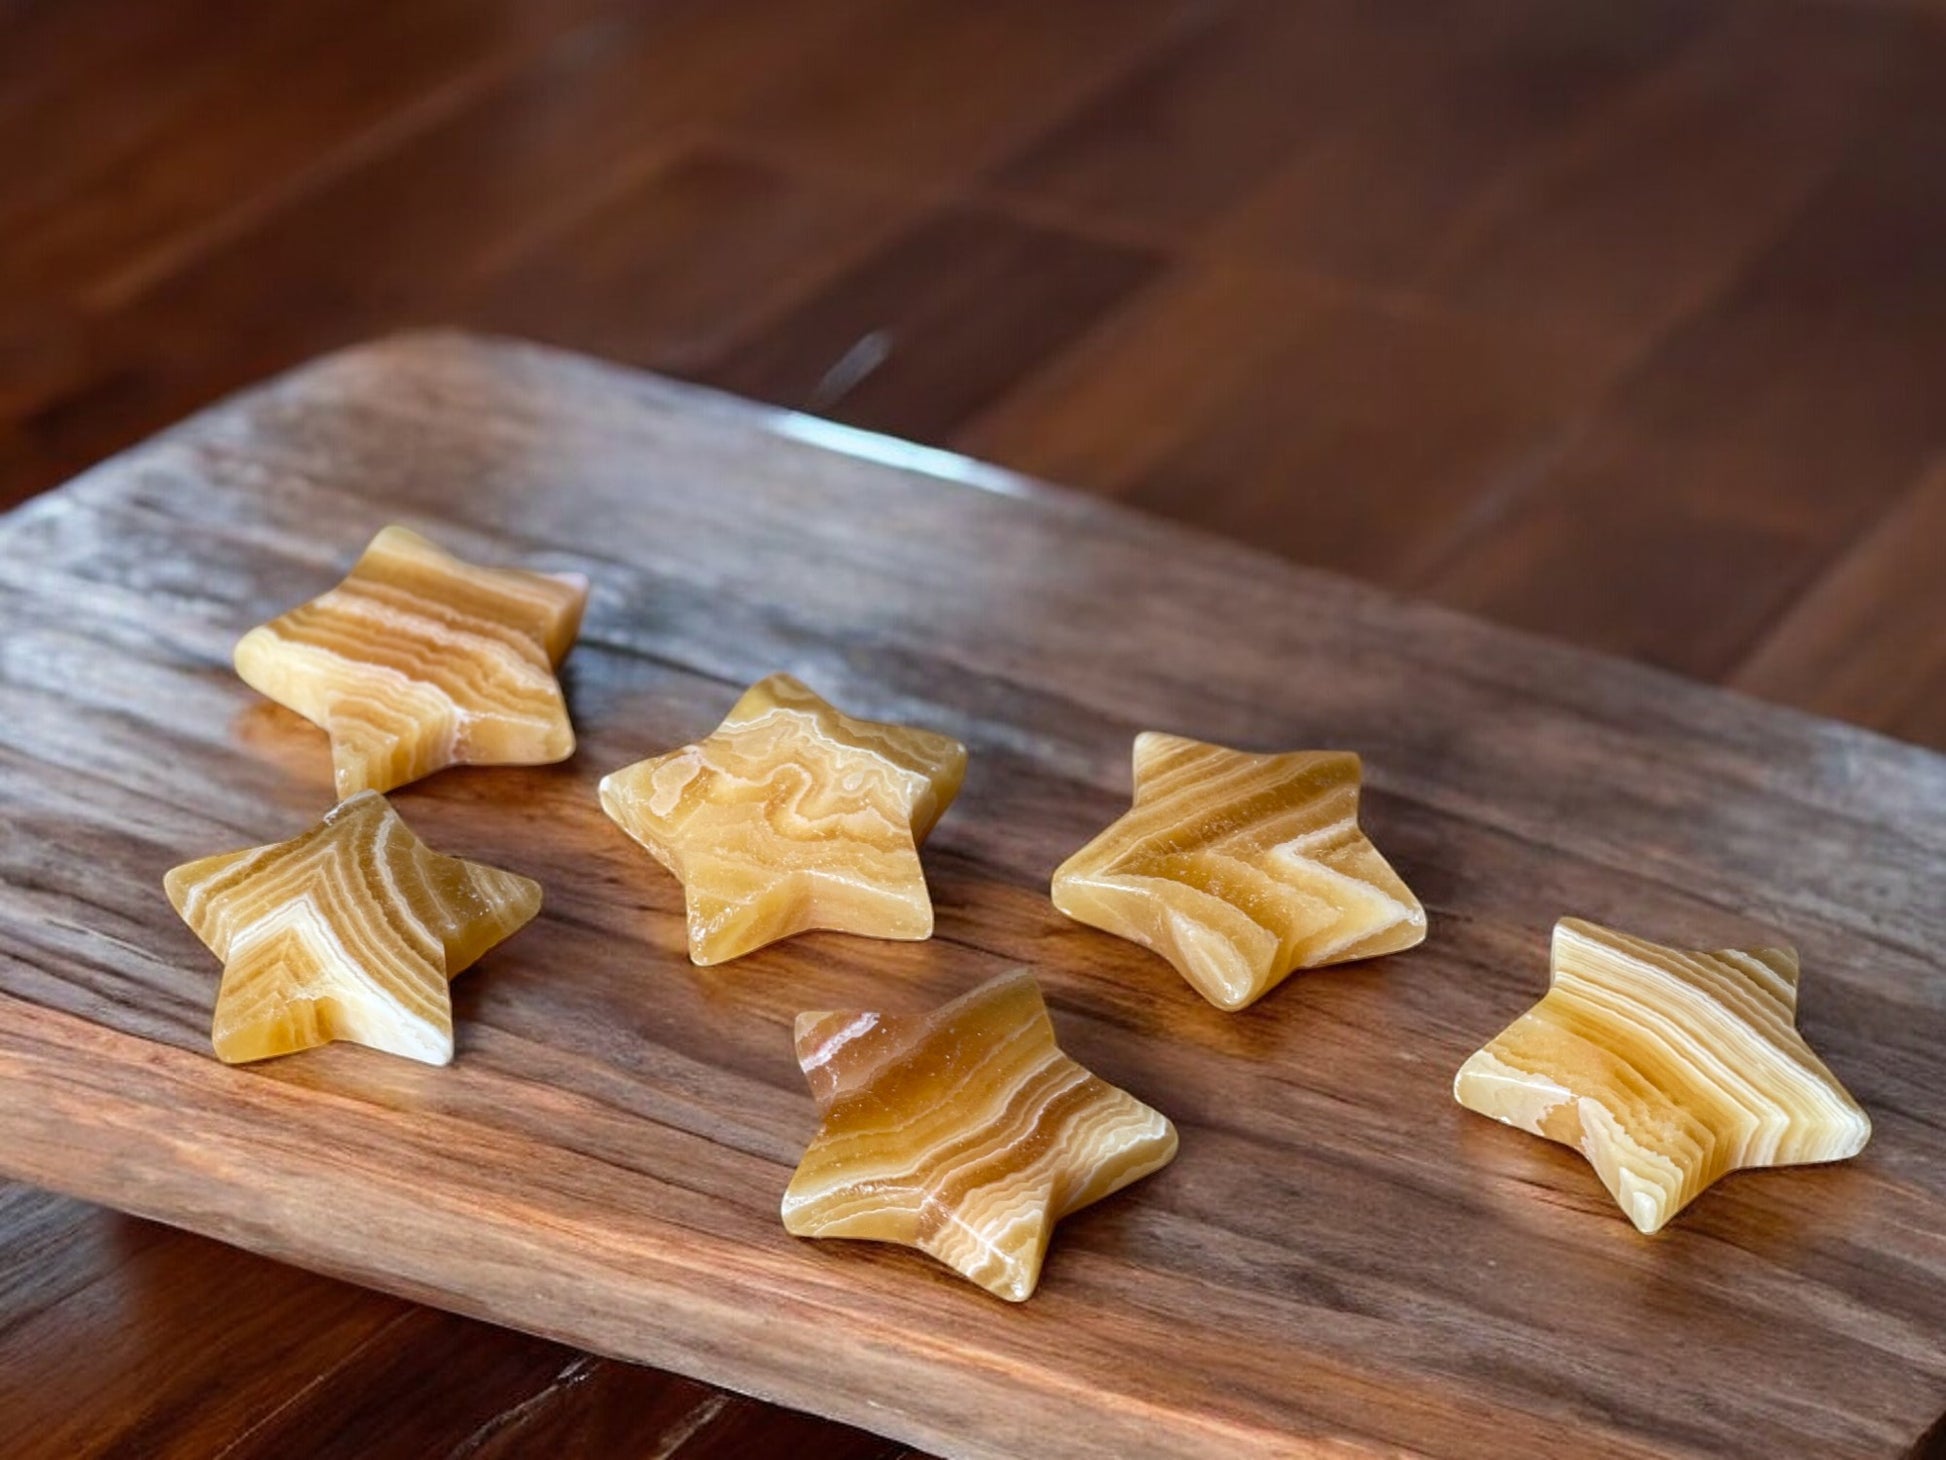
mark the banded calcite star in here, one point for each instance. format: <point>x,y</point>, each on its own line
<point>350,931</point>
<point>965,1133</point>
<point>418,661</point>
<point>1666,1068</point>
<point>792,816</point>
<point>1240,869</point>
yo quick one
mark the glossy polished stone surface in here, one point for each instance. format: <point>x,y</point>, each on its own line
<point>965,1133</point>
<point>350,931</point>
<point>1666,1068</point>
<point>1240,869</point>
<point>418,661</point>
<point>792,816</point>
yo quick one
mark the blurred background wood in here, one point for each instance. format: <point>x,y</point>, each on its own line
<point>1622,320</point>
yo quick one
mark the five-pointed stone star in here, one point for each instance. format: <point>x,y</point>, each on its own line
<point>418,661</point>
<point>1666,1068</point>
<point>966,1133</point>
<point>1240,869</point>
<point>349,931</point>
<point>792,816</point>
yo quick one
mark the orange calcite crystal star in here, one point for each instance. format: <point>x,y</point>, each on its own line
<point>350,931</point>
<point>792,816</point>
<point>418,661</point>
<point>966,1133</point>
<point>1666,1068</point>
<point>1240,869</point>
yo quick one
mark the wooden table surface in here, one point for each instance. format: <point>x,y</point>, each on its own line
<point>1340,1262</point>
<point>1620,321</point>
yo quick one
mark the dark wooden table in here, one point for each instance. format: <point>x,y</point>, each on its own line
<point>1622,320</point>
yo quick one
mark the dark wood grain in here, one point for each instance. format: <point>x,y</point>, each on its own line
<point>1340,1261</point>
<point>159,125</point>
<point>1761,434</point>
<point>1865,643</point>
<point>1275,404</point>
<point>1295,112</point>
<point>160,1379</point>
<point>1685,240</point>
<point>1622,226</point>
<point>139,1339</point>
<point>891,345</point>
<point>930,90</point>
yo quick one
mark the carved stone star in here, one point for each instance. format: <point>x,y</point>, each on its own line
<point>418,661</point>
<point>1240,869</point>
<point>965,1133</point>
<point>792,816</point>
<point>349,931</point>
<point>1666,1068</point>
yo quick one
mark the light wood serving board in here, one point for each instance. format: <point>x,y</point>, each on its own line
<point>1341,1261</point>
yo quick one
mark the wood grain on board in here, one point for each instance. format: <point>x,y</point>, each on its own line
<point>1340,1261</point>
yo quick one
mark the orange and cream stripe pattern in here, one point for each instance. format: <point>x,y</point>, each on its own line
<point>1666,1068</point>
<point>792,816</point>
<point>350,931</point>
<point>1240,869</point>
<point>965,1133</point>
<point>418,661</point>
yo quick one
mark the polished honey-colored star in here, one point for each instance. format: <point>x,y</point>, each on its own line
<point>965,1133</point>
<point>792,816</point>
<point>1240,869</point>
<point>1666,1068</point>
<point>350,931</point>
<point>418,661</point>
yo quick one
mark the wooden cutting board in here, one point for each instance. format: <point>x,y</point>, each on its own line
<point>1341,1261</point>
